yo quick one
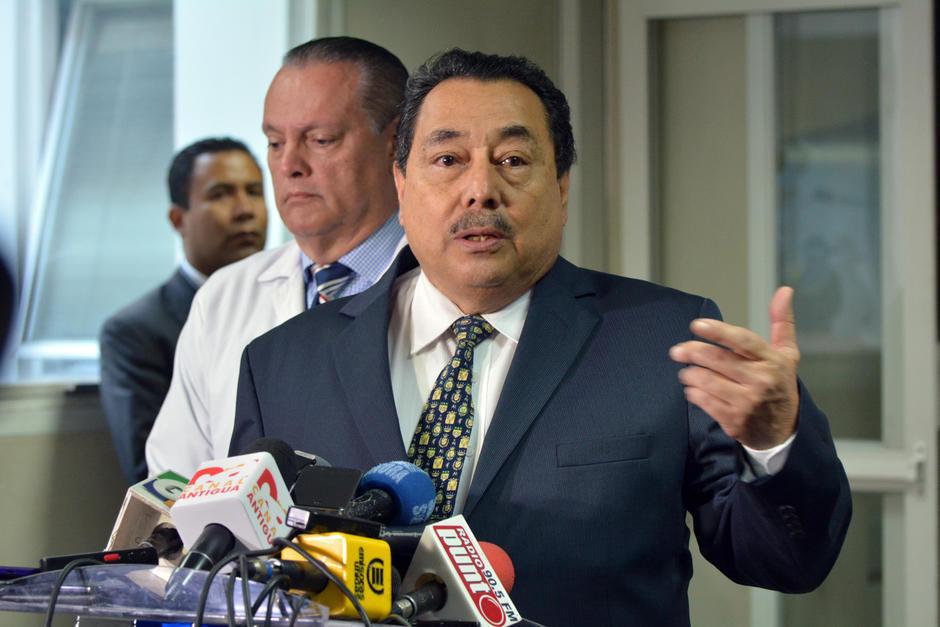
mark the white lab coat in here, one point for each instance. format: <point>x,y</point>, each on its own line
<point>237,304</point>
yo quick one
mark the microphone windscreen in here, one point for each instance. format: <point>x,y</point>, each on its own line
<point>410,488</point>
<point>282,453</point>
<point>501,563</point>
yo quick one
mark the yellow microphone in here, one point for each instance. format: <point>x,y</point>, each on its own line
<point>363,564</point>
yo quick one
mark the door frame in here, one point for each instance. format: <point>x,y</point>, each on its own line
<point>902,467</point>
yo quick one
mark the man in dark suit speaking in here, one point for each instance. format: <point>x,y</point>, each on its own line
<point>572,416</point>
<point>217,206</point>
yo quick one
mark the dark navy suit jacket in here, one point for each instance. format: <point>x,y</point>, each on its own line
<point>137,348</point>
<point>593,455</point>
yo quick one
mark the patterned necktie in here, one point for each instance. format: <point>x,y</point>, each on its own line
<point>441,439</point>
<point>330,280</point>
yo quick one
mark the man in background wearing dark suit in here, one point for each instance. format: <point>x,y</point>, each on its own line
<point>217,207</point>
<point>573,417</point>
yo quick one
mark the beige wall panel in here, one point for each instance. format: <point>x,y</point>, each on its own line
<point>703,210</point>
<point>416,29</point>
<point>702,148</point>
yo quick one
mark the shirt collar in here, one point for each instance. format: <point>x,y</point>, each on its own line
<point>362,259</point>
<point>195,277</point>
<point>432,315</point>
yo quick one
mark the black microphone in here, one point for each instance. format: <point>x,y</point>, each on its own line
<point>166,541</point>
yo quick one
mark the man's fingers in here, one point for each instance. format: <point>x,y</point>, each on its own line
<point>716,358</point>
<point>713,383</point>
<point>782,322</point>
<point>742,341</point>
<point>719,410</point>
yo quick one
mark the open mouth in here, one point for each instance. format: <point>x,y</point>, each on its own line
<point>483,237</point>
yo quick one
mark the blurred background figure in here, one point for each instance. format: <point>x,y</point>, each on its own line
<point>217,207</point>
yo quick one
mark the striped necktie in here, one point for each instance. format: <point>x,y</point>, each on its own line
<point>330,278</point>
<point>442,436</point>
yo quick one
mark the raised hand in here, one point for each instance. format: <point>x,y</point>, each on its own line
<point>749,386</point>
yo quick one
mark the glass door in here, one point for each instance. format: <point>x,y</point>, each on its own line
<point>782,144</point>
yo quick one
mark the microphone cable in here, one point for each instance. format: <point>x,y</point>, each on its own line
<point>396,620</point>
<point>60,581</point>
<point>269,592</point>
<point>210,576</point>
<point>283,543</point>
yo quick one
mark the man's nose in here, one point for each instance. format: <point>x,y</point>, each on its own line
<point>293,162</point>
<point>482,189</point>
<point>246,204</point>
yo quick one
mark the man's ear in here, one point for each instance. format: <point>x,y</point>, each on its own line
<point>399,188</point>
<point>564,183</point>
<point>390,133</point>
<point>177,217</point>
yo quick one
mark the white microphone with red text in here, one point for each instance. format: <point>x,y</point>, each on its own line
<point>241,499</point>
<point>451,578</point>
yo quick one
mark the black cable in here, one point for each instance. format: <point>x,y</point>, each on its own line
<point>60,581</point>
<point>271,594</point>
<point>266,591</point>
<point>283,603</point>
<point>296,604</point>
<point>246,591</point>
<point>230,599</point>
<point>329,575</point>
<point>397,620</point>
<point>204,593</point>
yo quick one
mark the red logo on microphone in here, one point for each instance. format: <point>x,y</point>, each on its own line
<point>464,554</point>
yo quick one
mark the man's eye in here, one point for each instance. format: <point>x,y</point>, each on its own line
<point>447,160</point>
<point>324,141</point>
<point>273,145</point>
<point>514,161</point>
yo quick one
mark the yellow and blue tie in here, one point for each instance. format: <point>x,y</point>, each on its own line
<point>440,442</point>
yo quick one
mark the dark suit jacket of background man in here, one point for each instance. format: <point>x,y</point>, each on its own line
<point>137,348</point>
<point>593,455</point>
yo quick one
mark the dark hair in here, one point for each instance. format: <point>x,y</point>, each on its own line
<point>180,176</point>
<point>382,74</point>
<point>457,63</point>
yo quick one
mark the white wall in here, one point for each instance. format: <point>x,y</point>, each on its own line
<point>227,52</point>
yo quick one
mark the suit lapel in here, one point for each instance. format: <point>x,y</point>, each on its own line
<point>363,370</point>
<point>179,296</point>
<point>557,326</point>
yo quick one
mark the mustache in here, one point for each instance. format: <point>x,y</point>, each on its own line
<point>490,220</point>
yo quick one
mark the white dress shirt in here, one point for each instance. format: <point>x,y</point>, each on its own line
<point>421,342</point>
<point>195,277</point>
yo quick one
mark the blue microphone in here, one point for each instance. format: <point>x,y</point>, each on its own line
<point>394,493</point>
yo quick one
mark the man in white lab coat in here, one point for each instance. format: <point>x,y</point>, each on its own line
<point>330,116</point>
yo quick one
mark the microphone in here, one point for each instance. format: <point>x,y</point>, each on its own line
<point>166,541</point>
<point>452,578</point>
<point>395,493</point>
<point>432,595</point>
<point>362,564</point>
<point>304,459</point>
<point>239,499</point>
<point>146,506</point>
<point>502,564</point>
<point>287,459</point>
<point>325,487</point>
